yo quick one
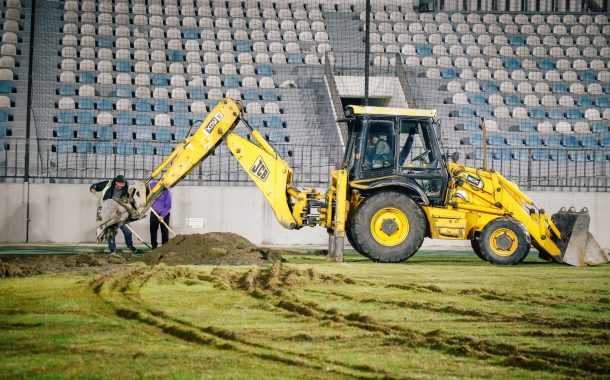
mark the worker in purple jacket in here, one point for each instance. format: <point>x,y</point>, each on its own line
<point>162,207</point>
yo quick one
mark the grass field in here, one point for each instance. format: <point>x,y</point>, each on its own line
<point>435,316</point>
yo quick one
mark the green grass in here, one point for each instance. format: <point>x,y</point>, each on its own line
<point>435,316</point>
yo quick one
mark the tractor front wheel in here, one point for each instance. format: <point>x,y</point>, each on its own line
<point>504,241</point>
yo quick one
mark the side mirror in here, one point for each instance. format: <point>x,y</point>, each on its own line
<point>455,157</point>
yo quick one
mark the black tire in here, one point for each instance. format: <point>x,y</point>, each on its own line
<point>394,251</point>
<point>476,247</point>
<point>504,241</point>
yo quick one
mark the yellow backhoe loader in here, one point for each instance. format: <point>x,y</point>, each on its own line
<point>393,189</point>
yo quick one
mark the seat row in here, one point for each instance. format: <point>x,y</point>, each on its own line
<point>537,69</point>
<point>530,127</point>
<point>526,87</point>
<point>506,18</point>
<point>542,155</point>
<point>531,100</point>
<point>502,112</point>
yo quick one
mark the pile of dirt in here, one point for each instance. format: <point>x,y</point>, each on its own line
<point>214,248</point>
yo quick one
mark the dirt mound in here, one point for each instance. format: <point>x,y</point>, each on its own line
<point>214,248</point>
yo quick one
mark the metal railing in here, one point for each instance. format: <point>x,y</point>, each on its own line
<point>573,169</point>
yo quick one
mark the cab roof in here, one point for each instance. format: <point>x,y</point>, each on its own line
<point>391,111</point>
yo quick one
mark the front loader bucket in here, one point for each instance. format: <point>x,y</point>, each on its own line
<point>578,246</point>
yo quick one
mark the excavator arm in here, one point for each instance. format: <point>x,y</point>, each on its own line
<point>293,208</point>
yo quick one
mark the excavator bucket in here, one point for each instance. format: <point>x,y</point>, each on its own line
<point>578,246</point>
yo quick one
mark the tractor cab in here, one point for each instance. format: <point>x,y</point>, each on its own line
<point>395,147</point>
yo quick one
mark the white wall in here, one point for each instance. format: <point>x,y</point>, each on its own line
<point>66,213</point>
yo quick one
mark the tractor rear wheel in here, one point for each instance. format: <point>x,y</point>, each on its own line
<point>504,241</point>
<point>388,227</point>
<point>476,246</point>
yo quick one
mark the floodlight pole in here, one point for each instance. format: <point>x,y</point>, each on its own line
<point>367,51</point>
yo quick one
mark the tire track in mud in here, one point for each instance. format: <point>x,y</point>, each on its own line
<point>121,291</point>
<point>267,281</point>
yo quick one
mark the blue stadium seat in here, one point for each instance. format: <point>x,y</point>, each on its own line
<point>213,104</point>
<point>124,148</point>
<point>514,140</point>
<point>84,117</point>
<point>104,105</point>
<point>197,93</point>
<point>584,101</point>
<point>104,41</point>
<point>67,89</point>
<point>84,147</point>
<point>465,112</point>
<point>104,133</point>
<point>160,80</point>
<point>180,107</point>
<point>540,155</point>
<point>256,122</point>
<point>231,82</point>
<point>574,114</point>
<point>163,134</point>
<point>275,136</point>
<point>556,114</point>
<point>570,141</point>
<point>122,66</point>
<point>270,96</point>
<point>559,155</point>
<point>587,76</point>
<point>5,88</point>
<point>243,46</point>
<point>104,148</point>
<point>190,33</point>
<point>124,92</point>
<point>476,139</point>
<point>546,64</point>
<point>472,125</point>
<point>489,87</point>
<point>602,102</point>
<point>533,140</point>
<point>516,40</point>
<point>295,58</point>
<point>63,132</point>
<point>526,127</point>
<point>161,106</point>
<point>143,119</point>
<point>537,113</point>
<point>86,78</point>
<point>478,99</point>
<point>264,70</point>
<point>424,49</point>
<point>607,88</point>
<point>250,95</point>
<point>503,155</point>
<point>124,134</point>
<point>142,105</point>
<point>85,104</point>
<point>589,142</point>
<point>84,133</point>
<point>64,147</point>
<point>495,139</point>
<point>181,121</point>
<point>599,156</point>
<point>145,149</point>
<point>579,156</point>
<point>512,100</point>
<point>124,119</point>
<point>512,63</point>
<point>599,127</point>
<point>143,134</point>
<point>449,73</point>
<point>605,142</point>
<point>65,117</point>
<point>180,133</point>
<point>164,149</point>
<point>175,56</point>
<point>552,140</point>
<point>483,112</point>
<point>274,122</point>
<point>559,88</point>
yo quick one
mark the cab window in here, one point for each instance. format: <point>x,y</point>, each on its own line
<point>379,148</point>
<point>417,151</point>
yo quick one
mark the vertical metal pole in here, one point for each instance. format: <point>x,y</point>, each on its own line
<point>367,51</point>
<point>484,143</point>
<point>28,120</point>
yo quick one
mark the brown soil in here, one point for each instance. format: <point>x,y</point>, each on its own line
<point>215,248</point>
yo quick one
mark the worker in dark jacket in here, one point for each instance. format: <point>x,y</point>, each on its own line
<point>115,189</point>
<point>162,207</point>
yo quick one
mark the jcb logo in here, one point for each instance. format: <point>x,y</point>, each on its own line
<point>214,122</point>
<point>259,169</point>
